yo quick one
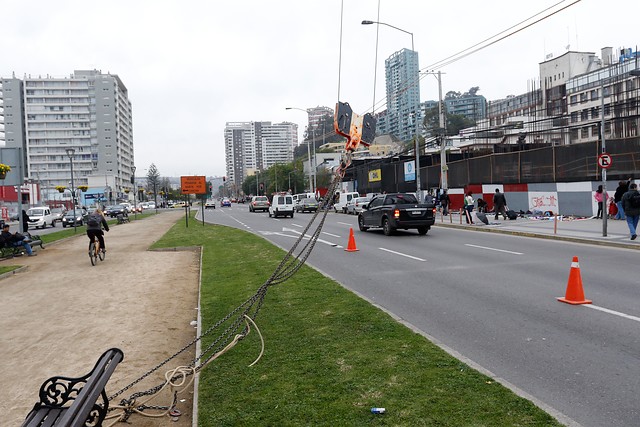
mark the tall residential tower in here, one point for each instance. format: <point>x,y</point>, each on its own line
<point>88,111</point>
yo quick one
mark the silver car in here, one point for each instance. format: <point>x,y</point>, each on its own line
<point>354,206</point>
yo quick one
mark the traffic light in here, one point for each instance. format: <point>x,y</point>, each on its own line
<point>224,179</point>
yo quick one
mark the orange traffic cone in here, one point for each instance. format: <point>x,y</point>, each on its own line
<point>351,246</point>
<point>575,294</point>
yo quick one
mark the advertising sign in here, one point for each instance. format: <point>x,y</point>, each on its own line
<point>410,171</point>
<point>375,175</point>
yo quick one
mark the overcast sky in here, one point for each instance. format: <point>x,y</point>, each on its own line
<point>192,66</point>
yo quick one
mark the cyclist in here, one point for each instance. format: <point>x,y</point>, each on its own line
<point>95,223</point>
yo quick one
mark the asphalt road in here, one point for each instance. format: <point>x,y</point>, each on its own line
<point>492,298</point>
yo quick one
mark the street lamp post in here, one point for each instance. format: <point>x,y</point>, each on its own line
<point>308,147</point>
<point>70,153</point>
<point>416,124</point>
<point>133,185</point>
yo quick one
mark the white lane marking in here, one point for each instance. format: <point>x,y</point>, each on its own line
<point>401,254</point>
<point>306,236</point>
<point>332,235</point>
<point>345,223</point>
<point>617,313</point>
<point>297,225</point>
<point>239,222</point>
<point>494,249</point>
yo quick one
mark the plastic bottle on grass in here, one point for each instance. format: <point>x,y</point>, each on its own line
<point>378,410</point>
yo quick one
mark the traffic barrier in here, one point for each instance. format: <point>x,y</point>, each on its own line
<point>575,293</point>
<point>351,246</point>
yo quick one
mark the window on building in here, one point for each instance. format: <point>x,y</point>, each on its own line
<point>594,94</point>
<point>574,117</point>
<point>584,133</point>
<point>584,115</point>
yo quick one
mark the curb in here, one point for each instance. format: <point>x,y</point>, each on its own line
<point>544,236</point>
<point>12,272</point>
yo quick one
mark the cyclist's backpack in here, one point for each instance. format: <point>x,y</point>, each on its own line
<point>93,220</point>
<point>634,200</point>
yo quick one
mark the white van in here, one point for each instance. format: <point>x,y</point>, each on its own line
<point>341,204</point>
<point>281,205</point>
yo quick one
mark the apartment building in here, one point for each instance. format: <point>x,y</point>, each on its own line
<point>88,112</point>
<point>403,113</point>
<point>256,146</point>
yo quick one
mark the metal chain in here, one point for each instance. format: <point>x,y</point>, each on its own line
<point>288,266</point>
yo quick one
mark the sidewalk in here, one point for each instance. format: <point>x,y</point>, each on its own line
<point>59,314</point>
<point>580,230</point>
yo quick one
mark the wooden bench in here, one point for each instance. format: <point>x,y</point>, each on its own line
<point>75,402</point>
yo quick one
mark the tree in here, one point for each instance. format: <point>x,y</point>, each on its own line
<point>153,181</point>
<point>454,122</point>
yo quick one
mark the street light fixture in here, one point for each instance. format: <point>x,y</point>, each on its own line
<point>70,153</point>
<point>416,124</point>
<point>308,148</point>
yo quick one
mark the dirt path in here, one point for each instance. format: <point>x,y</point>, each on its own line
<point>60,314</point>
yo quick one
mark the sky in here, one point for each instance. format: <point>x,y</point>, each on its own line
<point>192,66</point>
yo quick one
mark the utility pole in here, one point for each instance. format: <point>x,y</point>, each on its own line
<point>443,140</point>
<point>604,170</point>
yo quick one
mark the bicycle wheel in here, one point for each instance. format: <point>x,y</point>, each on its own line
<point>92,253</point>
<point>101,254</point>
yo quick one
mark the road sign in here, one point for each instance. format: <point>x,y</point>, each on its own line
<point>193,184</point>
<point>604,160</point>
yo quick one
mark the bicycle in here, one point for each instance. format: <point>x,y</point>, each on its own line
<point>95,252</point>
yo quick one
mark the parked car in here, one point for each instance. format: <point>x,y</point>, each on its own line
<point>259,203</point>
<point>354,206</point>
<point>225,202</point>
<point>210,204</point>
<point>397,211</point>
<point>307,204</point>
<point>340,204</point>
<point>80,216</point>
<point>179,204</point>
<point>281,205</point>
<point>115,210</point>
<point>40,217</point>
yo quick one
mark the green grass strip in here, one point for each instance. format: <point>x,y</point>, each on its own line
<point>329,355</point>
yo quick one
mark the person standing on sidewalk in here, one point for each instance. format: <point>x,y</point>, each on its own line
<point>623,187</point>
<point>600,196</point>
<point>631,206</point>
<point>468,207</point>
<point>499,204</point>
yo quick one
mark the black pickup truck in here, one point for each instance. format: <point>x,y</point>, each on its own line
<point>397,210</point>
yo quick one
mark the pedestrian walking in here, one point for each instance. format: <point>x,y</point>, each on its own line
<point>623,187</point>
<point>444,202</point>
<point>631,206</point>
<point>500,204</point>
<point>468,207</point>
<point>600,196</point>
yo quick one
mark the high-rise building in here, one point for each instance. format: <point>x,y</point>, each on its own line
<point>251,146</point>
<point>403,114</point>
<point>88,112</point>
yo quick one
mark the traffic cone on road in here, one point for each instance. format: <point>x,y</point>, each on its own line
<point>351,246</point>
<point>574,294</point>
